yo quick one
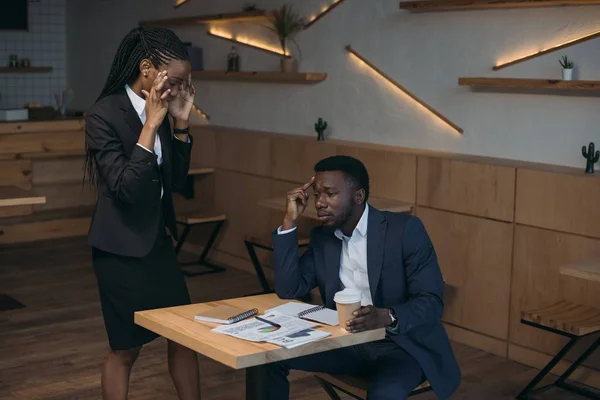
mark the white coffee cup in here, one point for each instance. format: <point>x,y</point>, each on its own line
<point>347,302</point>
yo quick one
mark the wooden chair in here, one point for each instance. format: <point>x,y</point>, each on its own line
<point>355,387</point>
<point>264,243</point>
<point>567,319</point>
<point>196,219</point>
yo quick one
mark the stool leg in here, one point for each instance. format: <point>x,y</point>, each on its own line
<point>184,234</point>
<point>329,389</point>
<point>211,241</point>
<point>212,268</point>
<point>561,354</point>
<point>560,382</point>
<point>258,268</point>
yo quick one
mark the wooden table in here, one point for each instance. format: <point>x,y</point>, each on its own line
<point>588,270</point>
<point>278,203</point>
<point>178,324</point>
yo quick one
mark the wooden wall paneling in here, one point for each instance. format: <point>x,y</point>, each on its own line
<point>562,202</point>
<point>392,175</point>
<point>293,159</point>
<point>536,281</point>
<point>65,195</point>
<point>204,196</point>
<point>471,188</point>
<point>475,258</point>
<point>15,211</point>
<point>42,126</point>
<point>43,230</point>
<point>16,173</point>
<point>204,149</point>
<point>58,170</point>
<point>237,195</point>
<point>243,152</point>
<point>477,340</point>
<point>42,142</point>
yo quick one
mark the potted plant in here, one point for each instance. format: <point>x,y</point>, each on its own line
<point>567,66</point>
<point>286,24</point>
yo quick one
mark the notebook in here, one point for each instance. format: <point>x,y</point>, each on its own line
<point>320,313</point>
<point>226,315</point>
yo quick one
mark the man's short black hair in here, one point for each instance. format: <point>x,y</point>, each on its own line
<point>353,169</point>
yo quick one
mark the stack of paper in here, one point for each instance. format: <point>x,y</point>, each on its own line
<point>255,330</point>
<point>300,338</point>
<point>282,330</point>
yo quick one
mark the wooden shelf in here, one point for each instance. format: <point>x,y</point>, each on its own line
<point>23,70</point>
<point>526,83</point>
<point>250,16</point>
<point>14,196</point>
<point>269,77</point>
<point>451,5</point>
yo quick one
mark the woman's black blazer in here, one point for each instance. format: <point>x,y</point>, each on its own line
<point>127,216</point>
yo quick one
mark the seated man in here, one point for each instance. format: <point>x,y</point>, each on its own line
<point>390,259</point>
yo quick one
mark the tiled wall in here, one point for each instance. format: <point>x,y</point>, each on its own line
<point>44,44</point>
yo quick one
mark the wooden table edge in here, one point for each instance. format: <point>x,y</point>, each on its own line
<point>142,318</point>
<point>145,320</point>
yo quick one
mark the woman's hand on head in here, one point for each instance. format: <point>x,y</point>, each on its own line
<point>156,103</point>
<point>180,107</point>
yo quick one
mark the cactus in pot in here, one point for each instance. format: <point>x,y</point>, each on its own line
<point>591,157</point>
<point>320,127</point>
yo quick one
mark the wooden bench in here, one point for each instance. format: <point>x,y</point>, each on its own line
<point>355,387</point>
<point>264,243</point>
<point>567,319</point>
<point>196,219</point>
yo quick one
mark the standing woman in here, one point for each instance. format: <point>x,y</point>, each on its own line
<point>135,160</point>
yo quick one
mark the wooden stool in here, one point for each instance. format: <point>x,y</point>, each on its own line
<point>355,387</point>
<point>574,321</point>
<point>190,220</point>
<point>265,244</point>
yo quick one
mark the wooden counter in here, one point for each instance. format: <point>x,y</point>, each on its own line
<point>45,160</point>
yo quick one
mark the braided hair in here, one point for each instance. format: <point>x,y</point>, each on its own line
<point>159,45</point>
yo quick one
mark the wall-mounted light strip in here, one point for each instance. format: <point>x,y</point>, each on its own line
<point>246,42</point>
<point>324,11</point>
<point>399,86</point>
<point>200,112</point>
<point>548,50</point>
<point>180,2</point>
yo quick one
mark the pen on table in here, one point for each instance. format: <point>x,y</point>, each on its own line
<point>268,322</point>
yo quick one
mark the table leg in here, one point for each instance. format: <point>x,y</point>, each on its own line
<point>257,385</point>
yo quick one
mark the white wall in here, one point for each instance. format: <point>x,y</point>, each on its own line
<point>427,53</point>
<point>45,45</point>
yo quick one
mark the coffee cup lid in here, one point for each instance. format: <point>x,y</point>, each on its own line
<point>348,296</point>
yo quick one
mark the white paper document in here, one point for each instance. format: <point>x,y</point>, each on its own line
<point>255,330</point>
<point>308,311</point>
<point>300,338</point>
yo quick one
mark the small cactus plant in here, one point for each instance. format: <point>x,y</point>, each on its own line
<point>320,127</point>
<point>590,157</point>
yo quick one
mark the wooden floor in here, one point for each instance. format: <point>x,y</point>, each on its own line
<point>54,348</point>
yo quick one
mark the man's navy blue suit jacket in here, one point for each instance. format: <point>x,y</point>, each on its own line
<point>403,273</point>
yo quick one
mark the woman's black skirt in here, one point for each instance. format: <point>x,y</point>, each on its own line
<point>130,284</point>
